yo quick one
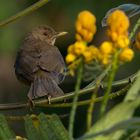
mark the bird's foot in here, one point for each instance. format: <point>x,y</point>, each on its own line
<point>31,104</point>
<point>49,99</point>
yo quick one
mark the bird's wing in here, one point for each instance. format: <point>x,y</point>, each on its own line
<point>52,61</point>
<point>26,60</point>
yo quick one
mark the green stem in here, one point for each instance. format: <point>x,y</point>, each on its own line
<point>110,81</point>
<point>24,12</point>
<point>75,99</point>
<point>90,111</point>
<point>86,102</point>
<point>134,29</point>
<point>81,103</point>
<point>91,104</point>
<point>10,106</point>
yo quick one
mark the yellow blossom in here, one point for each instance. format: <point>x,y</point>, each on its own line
<point>106,47</point>
<point>94,50</point>
<point>137,41</point>
<point>122,42</point>
<point>105,59</point>
<point>70,58</point>
<point>88,37</point>
<point>71,49</point>
<point>85,26</point>
<point>79,47</point>
<point>78,37</point>
<point>118,22</point>
<point>86,18</point>
<point>126,55</point>
<point>90,53</point>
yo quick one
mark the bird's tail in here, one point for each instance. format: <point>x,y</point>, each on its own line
<point>44,86</point>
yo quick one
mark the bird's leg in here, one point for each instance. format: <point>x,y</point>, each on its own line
<point>31,104</point>
<point>49,99</point>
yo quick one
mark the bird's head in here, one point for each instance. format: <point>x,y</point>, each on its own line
<point>47,34</point>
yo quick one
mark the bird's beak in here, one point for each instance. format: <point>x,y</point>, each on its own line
<point>60,34</point>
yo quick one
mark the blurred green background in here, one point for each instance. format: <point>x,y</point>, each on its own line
<point>61,15</point>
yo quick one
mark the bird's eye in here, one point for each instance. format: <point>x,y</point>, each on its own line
<point>45,34</point>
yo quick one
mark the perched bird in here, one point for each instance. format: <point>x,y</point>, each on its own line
<point>40,64</point>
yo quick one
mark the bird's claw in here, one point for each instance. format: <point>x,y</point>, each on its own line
<point>31,104</point>
<point>49,99</point>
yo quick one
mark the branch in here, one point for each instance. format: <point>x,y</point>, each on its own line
<point>137,25</point>
<point>24,12</point>
<point>10,106</point>
<point>80,103</point>
<point>75,99</point>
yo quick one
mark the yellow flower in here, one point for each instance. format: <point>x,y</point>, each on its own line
<point>106,47</point>
<point>126,55</point>
<point>137,45</point>
<point>105,59</point>
<point>86,18</point>
<point>122,42</point>
<point>71,49</point>
<point>79,47</point>
<point>88,37</point>
<point>70,58</point>
<point>90,53</point>
<point>78,37</point>
<point>118,22</point>
<point>137,41</point>
<point>85,26</point>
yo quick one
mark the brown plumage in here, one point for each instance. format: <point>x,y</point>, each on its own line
<point>40,64</point>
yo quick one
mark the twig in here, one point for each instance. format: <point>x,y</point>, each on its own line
<point>110,81</point>
<point>24,12</point>
<point>10,106</point>
<point>75,99</point>
<point>134,29</point>
<point>91,105</point>
<point>80,103</point>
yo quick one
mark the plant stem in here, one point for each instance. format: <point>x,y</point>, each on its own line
<point>11,106</point>
<point>75,99</point>
<point>91,104</point>
<point>134,29</point>
<point>90,110</point>
<point>110,81</point>
<point>81,103</point>
<point>27,11</point>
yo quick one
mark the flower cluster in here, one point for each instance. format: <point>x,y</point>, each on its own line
<point>137,41</point>
<point>85,26</point>
<point>118,24</point>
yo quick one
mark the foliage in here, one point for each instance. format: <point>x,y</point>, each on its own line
<point>111,125</point>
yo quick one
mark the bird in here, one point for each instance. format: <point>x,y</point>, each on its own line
<point>40,64</point>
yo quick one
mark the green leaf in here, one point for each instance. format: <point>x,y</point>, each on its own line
<point>133,123</point>
<point>58,128</point>
<point>120,112</point>
<point>48,129</point>
<point>31,131</point>
<point>5,132</point>
<point>134,90</point>
<point>45,129</point>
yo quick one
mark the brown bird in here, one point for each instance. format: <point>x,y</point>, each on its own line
<point>40,64</point>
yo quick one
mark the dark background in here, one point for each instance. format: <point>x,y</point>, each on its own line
<point>61,15</point>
